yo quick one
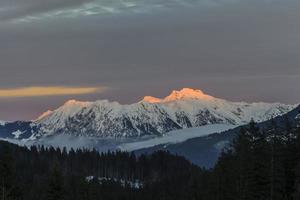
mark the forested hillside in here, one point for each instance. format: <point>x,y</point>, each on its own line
<point>53,174</point>
<point>259,164</point>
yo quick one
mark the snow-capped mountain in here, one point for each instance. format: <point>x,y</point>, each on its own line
<point>152,116</point>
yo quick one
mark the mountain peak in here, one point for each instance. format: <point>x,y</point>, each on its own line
<point>187,93</point>
<point>150,99</point>
<point>183,94</point>
<point>2,123</point>
<point>45,114</point>
<point>74,102</point>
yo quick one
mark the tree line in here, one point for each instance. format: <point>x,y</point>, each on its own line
<point>260,165</point>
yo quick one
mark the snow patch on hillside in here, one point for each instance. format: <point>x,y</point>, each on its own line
<point>136,184</point>
<point>17,134</point>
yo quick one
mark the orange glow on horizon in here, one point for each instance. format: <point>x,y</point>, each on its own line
<point>48,91</point>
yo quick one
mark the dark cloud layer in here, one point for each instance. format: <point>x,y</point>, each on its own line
<point>241,50</point>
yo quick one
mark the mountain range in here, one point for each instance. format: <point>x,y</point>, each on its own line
<point>151,117</point>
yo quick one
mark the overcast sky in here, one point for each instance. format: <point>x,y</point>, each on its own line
<point>125,49</point>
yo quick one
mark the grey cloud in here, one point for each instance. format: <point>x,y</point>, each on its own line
<point>16,9</point>
<point>12,9</point>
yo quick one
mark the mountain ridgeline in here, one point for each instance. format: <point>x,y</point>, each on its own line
<point>150,117</point>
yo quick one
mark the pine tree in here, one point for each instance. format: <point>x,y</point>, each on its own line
<point>276,139</point>
<point>55,190</point>
<point>7,173</point>
<point>259,175</point>
<point>297,183</point>
<point>242,148</point>
<point>296,194</point>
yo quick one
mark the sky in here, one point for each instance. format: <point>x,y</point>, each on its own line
<point>121,50</point>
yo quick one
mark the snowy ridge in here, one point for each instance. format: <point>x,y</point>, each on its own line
<point>152,116</point>
<point>57,118</point>
<point>45,114</point>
